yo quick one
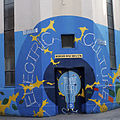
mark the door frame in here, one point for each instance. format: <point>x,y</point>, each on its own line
<point>56,83</point>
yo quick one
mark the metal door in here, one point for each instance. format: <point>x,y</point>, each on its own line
<point>69,86</point>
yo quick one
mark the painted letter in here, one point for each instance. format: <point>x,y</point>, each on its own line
<point>28,66</point>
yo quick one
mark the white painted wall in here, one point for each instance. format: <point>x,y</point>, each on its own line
<point>100,12</point>
<point>87,9</point>
<point>66,7</point>
<point>116,13</point>
<point>28,13</point>
<point>1,17</point>
<point>92,9</point>
<point>45,9</point>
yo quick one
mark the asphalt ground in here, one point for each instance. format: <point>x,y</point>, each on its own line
<point>109,115</point>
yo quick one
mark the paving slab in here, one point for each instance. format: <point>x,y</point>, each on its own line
<point>109,115</point>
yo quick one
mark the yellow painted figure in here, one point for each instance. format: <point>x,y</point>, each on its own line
<point>47,51</point>
<point>83,29</point>
<point>91,86</point>
<point>49,27</point>
<point>57,79</point>
<point>103,107</point>
<point>53,62</point>
<point>49,83</point>
<point>34,38</point>
<point>82,94</point>
<point>60,71</point>
<point>3,107</point>
<point>31,86</point>
<point>115,75</point>
<point>41,111</point>
<point>60,93</point>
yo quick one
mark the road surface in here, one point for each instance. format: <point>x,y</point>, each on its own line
<point>110,115</point>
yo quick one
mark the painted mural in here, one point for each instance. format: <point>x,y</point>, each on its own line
<point>69,90</point>
<point>47,86</point>
<point>69,85</point>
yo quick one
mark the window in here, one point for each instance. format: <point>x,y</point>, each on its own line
<point>67,41</point>
<point>109,1</point>
<point>111,34</point>
<point>9,45</point>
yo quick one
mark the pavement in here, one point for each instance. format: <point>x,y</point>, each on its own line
<point>109,115</point>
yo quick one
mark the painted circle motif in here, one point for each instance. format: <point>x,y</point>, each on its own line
<point>69,81</point>
<point>78,66</point>
<point>69,85</point>
<point>36,63</point>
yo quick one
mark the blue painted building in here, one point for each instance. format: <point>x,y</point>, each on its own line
<point>59,58</point>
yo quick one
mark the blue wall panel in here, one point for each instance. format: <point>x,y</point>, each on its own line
<point>117,46</point>
<point>2,66</point>
<point>35,85</point>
